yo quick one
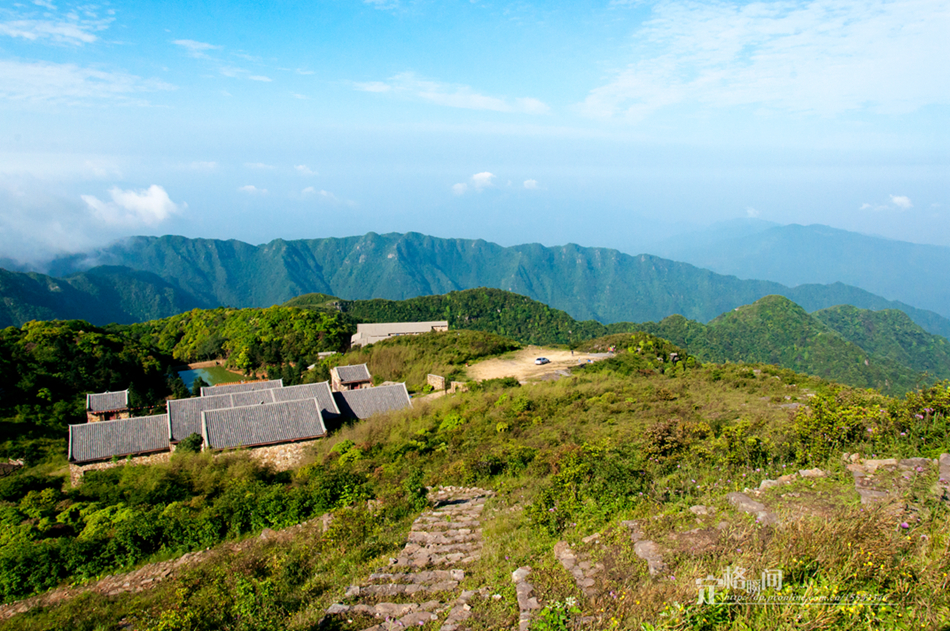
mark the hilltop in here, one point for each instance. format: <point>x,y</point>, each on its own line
<point>588,283</point>
<point>614,490</point>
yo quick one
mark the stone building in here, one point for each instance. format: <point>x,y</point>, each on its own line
<point>98,445</point>
<point>107,406</point>
<point>344,378</point>
<point>362,404</point>
<point>370,333</point>
<point>184,415</point>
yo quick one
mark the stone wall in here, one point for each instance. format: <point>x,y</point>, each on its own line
<point>282,457</point>
<point>437,382</point>
<point>76,471</point>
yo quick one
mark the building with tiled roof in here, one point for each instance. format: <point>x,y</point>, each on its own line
<point>246,386</point>
<point>103,440</point>
<point>184,415</point>
<point>370,333</point>
<point>361,404</point>
<point>259,425</point>
<point>350,377</point>
<point>106,406</point>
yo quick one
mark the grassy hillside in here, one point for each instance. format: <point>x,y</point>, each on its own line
<point>410,359</point>
<point>571,461</point>
<point>588,283</point>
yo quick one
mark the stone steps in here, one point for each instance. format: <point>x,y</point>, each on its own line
<point>439,540</point>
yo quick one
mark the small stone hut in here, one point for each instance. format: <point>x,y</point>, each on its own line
<point>107,406</point>
<point>343,378</point>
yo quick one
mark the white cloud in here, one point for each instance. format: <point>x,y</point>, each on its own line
<point>303,72</point>
<point>69,28</point>
<point>303,169</point>
<point>897,203</point>
<point>131,208</point>
<point>72,84</point>
<point>195,49</point>
<point>751,212</point>
<point>451,95</point>
<point>300,96</point>
<point>531,185</point>
<point>260,78</point>
<point>258,165</point>
<point>901,201</point>
<point>327,196</point>
<point>477,183</point>
<point>482,180</point>
<point>250,189</point>
<point>811,57</point>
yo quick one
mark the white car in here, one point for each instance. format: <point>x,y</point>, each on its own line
<point>540,361</point>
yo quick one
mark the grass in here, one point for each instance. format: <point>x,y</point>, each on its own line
<point>580,455</point>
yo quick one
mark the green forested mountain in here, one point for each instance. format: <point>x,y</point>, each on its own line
<point>588,283</point>
<point>891,335</point>
<point>101,295</point>
<point>493,310</point>
<point>777,331</point>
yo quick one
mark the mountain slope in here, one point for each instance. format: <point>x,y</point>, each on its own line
<point>100,295</point>
<point>777,331</point>
<point>792,255</point>
<point>588,283</point>
<point>891,335</point>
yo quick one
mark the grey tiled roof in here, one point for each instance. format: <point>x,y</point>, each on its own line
<point>365,402</point>
<point>262,424</point>
<point>184,415</point>
<point>107,401</point>
<point>319,391</point>
<point>99,441</point>
<point>353,374</point>
<point>231,388</point>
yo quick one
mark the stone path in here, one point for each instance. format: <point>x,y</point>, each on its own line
<point>527,603</point>
<point>647,550</point>
<point>580,567</point>
<point>425,577</point>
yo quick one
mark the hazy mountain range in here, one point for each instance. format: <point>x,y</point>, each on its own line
<point>792,255</point>
<point>148,277</point>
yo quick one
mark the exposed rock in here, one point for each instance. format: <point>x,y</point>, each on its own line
<point>812,473</point>
<point>700,510</point>
<point>746,504</point>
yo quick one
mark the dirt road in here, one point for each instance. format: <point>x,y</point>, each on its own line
<point>521,366</point>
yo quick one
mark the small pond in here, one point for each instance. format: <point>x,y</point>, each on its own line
<point>212,375</point>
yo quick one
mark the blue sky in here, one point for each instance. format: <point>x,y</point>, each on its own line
<point>600,123</point>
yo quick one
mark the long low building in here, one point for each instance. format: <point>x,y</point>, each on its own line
<point>184,415</point>
<point>370,333</point>
<point>364,403</point>
<point>275,422</point>
<point>104,440</point>
<point>259,425</point>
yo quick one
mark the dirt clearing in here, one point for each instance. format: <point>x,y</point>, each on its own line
<point>521,366</point>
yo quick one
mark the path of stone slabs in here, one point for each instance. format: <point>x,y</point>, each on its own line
<point>421,584</point>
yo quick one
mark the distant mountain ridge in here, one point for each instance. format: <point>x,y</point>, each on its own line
<point>913,273</point>
<point>588,283</point>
